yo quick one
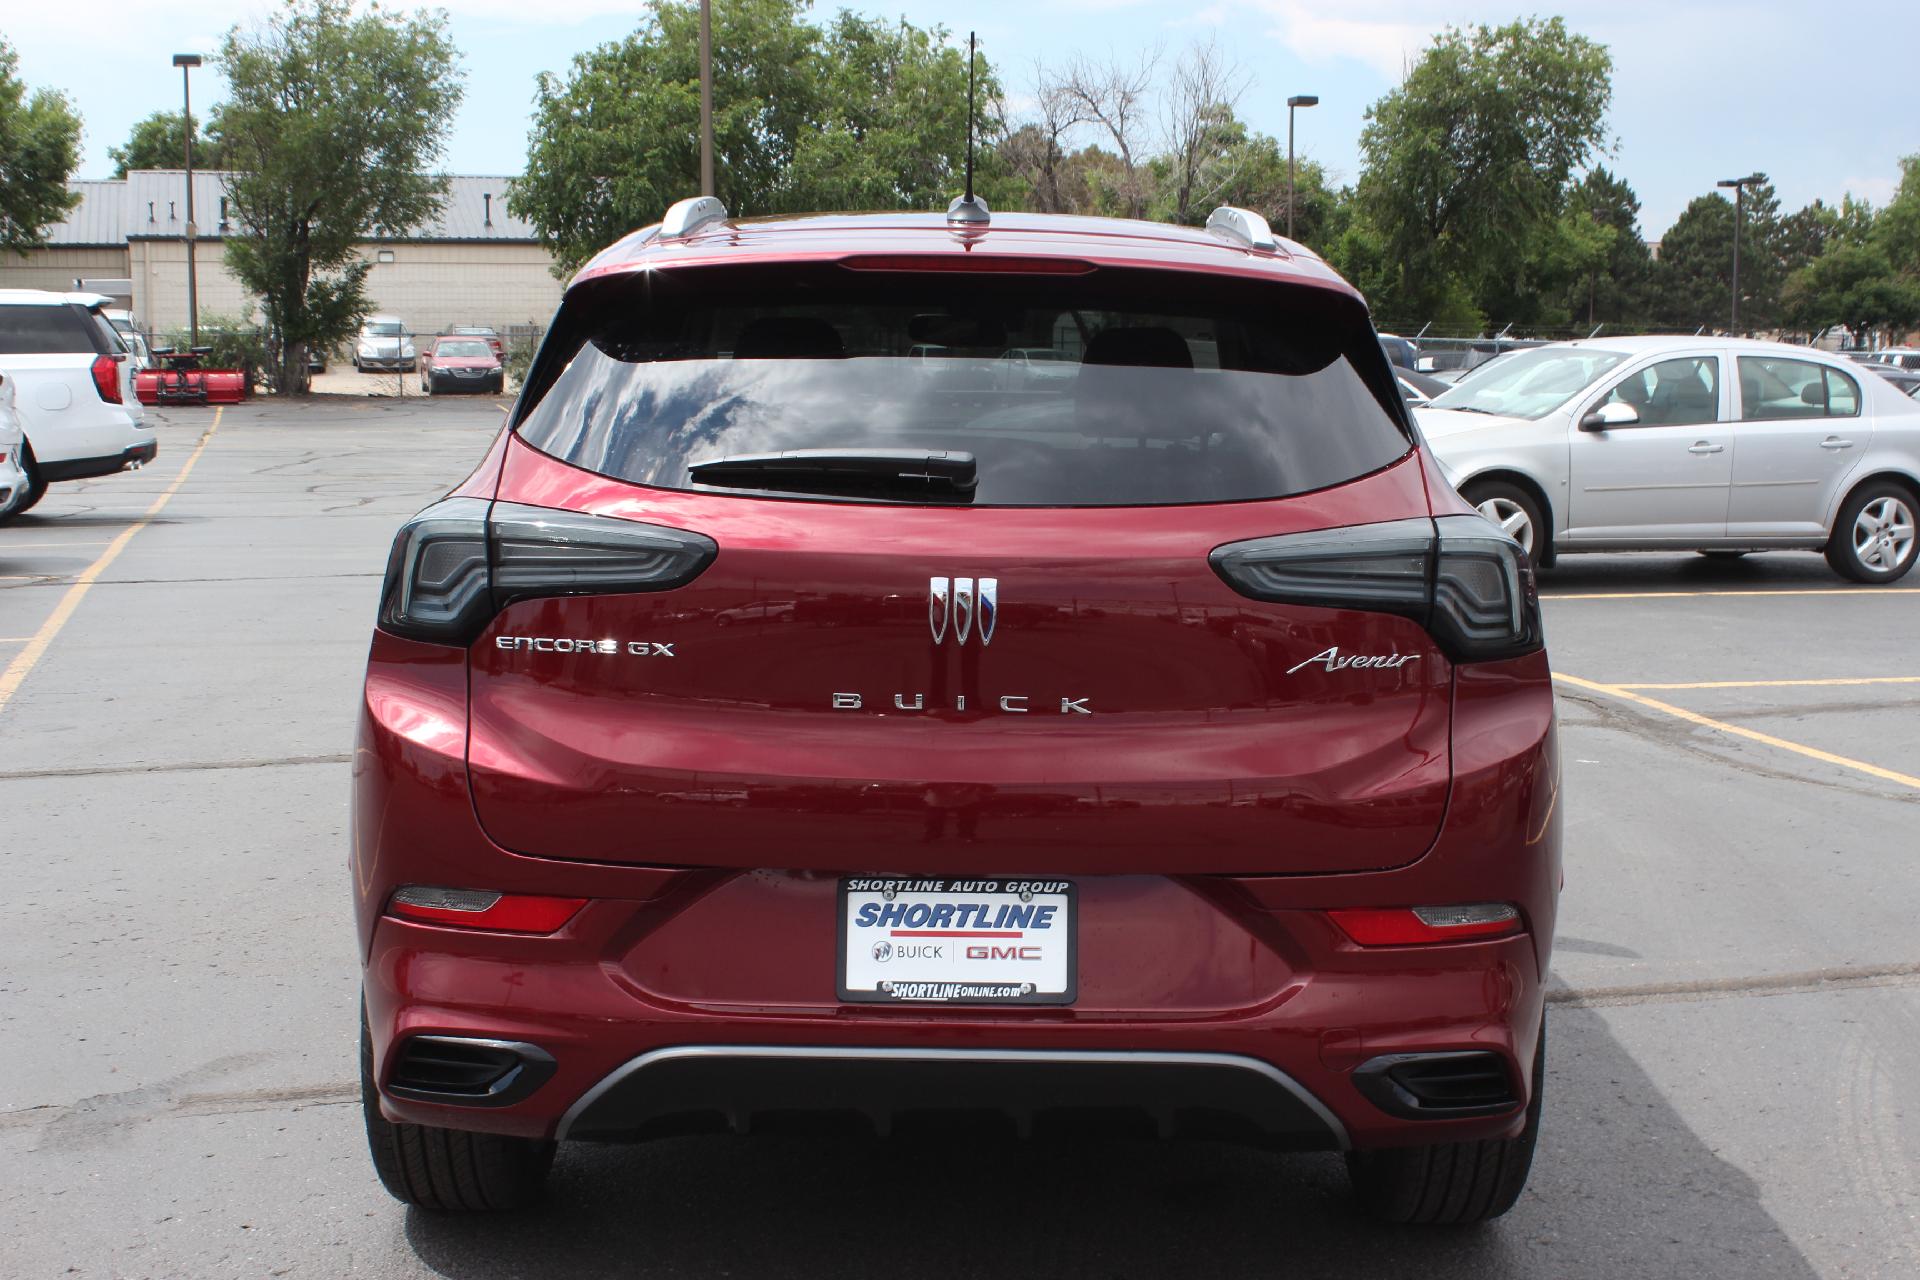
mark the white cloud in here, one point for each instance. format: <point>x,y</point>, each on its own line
<point>1386,43</point>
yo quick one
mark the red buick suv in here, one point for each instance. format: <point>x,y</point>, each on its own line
<point>899,665</point>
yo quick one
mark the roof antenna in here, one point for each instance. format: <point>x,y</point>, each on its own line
<point>968,210</point>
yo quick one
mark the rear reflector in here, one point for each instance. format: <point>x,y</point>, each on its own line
<point>979,263</point>
<point>480,909</point>
<point>1419,926</point>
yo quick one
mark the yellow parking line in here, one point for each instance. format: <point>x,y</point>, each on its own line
<point>42,640</point>
<point>1767,739</point>
<point>41,546</point>
<point>1856,592</point>
<point>1778,684</point>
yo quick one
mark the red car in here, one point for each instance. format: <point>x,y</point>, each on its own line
<point>1166,744</point>
<point>461,364</point>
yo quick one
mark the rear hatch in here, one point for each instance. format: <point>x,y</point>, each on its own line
<point>980,626</point>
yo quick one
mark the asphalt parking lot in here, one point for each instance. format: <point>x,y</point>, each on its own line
<point>1734,1054</point>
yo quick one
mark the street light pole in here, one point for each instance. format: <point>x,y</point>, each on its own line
<point>186,62</point>
<point>1739,186</point>
<point>1298,100</point>
<point>706,97</point>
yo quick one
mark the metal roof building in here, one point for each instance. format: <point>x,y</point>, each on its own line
<point>475,263</point>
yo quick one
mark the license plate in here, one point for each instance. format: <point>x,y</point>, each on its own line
<point>958,941</point>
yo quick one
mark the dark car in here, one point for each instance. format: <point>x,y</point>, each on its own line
<point>461,364</point>
<point>1168,747</point>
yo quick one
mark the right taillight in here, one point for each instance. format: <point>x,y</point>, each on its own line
<point>106,378</point>
<point>460,561</point>
<point>1462,579</point>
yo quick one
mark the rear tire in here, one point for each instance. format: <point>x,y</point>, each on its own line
<point>1516,512</point>
<point>1451,1183</point>
<point>450,1170</point>
<point>1874,539</point>
<point>36,485</point>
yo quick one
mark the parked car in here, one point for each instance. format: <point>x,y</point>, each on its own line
<point>73,390</point>
<point>461,364</point>
<point>1177,746</point>
<point>490,336</point>
<point>1034,369</point>
<point>1401,352</point>
<point>1418,388</point>
<point>13,477</point>
<point>135,341</point>
<point>1908,380</point>
<point>384,343</point>
<point>1710,444</point>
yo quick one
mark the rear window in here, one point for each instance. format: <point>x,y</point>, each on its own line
<point>1112,388</point>
<point>57,330</point>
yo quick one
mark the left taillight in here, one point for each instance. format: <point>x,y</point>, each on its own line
<point>482,909</point>
<point>460,561</point>
<point>106,377</point>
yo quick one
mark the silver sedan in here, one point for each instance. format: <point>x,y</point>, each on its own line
<point>1723,446</point>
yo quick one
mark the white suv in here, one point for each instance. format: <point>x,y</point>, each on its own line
<point>13,480</point>
<point>72,379</point>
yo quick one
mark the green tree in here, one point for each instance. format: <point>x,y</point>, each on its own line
<point>1471,156</point>
<point>160,142</point>
<point>1693,281</point>
<point>1897,228</point>
<point>39,148</point>
<point>1613,287</point>
<point>862,114</point>
<point>1853,285</point>
<point>890,128</point>
<point>331,124</point>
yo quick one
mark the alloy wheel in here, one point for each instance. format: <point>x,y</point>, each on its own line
<point>1512,519</point>
<point>1883,534</point>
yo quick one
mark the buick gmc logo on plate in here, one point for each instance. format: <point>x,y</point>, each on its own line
<point>957,941</point>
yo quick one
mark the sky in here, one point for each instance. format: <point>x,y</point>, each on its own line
<point>1817,95</point>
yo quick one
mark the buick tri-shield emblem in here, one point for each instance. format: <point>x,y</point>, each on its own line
<point>963,603</point>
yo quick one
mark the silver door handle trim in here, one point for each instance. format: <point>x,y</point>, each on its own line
<point>1703,447</point>
<point>1835,442</point>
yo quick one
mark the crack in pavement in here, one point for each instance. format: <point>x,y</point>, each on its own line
<point>1839,978</point>
<point>101,1117</point>
<point>191,766</point>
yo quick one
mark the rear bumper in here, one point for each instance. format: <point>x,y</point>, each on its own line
<point>683,994</point>
<point>1177,1093</point>
<point>136,455</point>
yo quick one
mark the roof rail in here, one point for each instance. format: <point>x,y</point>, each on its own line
<point>1244,225</point>
<point>684,217</point>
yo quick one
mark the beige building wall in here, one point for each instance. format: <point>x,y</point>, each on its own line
<point>58,268</point>
<point>435,286</point>
<point>159,271</point>
<point>430,286</point>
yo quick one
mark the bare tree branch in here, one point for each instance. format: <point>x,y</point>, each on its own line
<point>1115,97</point>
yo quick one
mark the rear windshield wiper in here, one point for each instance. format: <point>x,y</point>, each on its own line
<point>917,474</point>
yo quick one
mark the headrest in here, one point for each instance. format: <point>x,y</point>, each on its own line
<point>788,338</point>
<point>1150,346</point>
